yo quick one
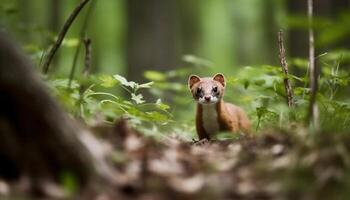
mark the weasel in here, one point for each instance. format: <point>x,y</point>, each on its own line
<point>213,114</point>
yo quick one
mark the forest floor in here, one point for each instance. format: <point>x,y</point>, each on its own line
<point>274,165</point>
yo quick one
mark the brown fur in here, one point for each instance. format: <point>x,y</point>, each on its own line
<point>230,117</point>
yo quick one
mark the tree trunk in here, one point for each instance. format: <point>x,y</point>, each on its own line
<point>54,24</point>
<point>189,25</point>
<point>332,9</point>
<point>298,44</point>
<point>298,40</point>
<point>37,138</point>
<point>151,42</point>
<point>55,11</point>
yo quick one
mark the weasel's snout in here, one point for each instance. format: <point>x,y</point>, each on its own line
<point>207,98</point>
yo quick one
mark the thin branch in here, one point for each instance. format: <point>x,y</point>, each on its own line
<point>284,65</point>
<point>81,37</point>
<point>75,60</point>
<point>87,66</point>
<point>62,34</point>
<point>313,115</point>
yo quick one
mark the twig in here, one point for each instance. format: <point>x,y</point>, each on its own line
<point>87,66</point>
<point>81,36</point>
<point>62,34</point>
<point>313,115</point>
<point>75,60</point>
<point>284,66</point>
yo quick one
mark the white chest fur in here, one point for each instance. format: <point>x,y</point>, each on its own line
<point>210,119</point>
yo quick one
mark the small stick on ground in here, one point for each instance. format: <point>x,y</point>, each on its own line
<point>284,66</point>
<point>313,115</point>
<point>62,34</point>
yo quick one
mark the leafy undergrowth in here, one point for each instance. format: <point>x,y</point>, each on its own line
<point>275,165</point>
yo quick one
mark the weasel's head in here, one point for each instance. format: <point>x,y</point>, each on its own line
<point>207,90</point>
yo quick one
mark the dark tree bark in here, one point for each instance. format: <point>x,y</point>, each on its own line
<point>284,65</point>
<point>151,42</point>
<point>37,138</point>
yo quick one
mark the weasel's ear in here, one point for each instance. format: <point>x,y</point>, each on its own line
<point>193,79</point>
<point>220,78</point>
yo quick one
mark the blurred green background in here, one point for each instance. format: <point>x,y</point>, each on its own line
<point>166,40</point>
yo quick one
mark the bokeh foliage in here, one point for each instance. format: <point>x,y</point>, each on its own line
<point>237,38</point>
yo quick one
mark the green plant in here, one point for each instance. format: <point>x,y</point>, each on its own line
<point>87,103</point>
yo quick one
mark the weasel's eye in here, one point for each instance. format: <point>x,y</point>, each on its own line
<point>199,91</point>
<point>215,89</point>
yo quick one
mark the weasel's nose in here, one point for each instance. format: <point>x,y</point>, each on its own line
<point>207,98</point>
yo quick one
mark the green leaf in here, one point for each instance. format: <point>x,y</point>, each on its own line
<point>156,116</point>
<point>137,98</point>
<point>63,83</point>
<point>296,78</point>
<point>125,82</point>
<point>246,84</point>
<point>301,90</point>
<point>155,76</point>
<point>10,9</point>
<point>263,112</point>
<point>107,81</point>
<point>300,63</point>
<point>161,105</point>
<point>145,85</point>
<point>31,48</point>
<point>70,42</point>
<point>231,80</point>
<point>259,82</point>
<point>227,136</point>
<point>196,60</point>
<point>91,93</point>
